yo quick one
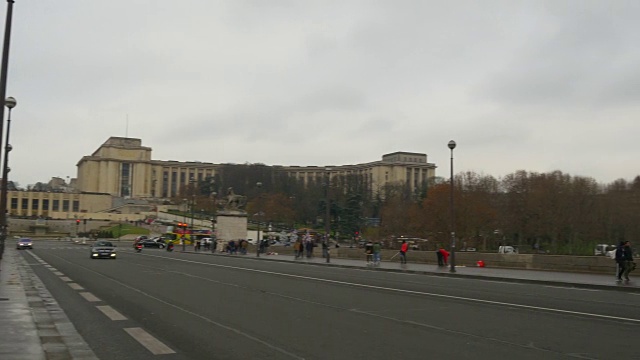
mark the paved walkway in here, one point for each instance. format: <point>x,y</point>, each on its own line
<point>34,327</point>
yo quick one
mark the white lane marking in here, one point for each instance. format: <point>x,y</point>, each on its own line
<point>75,286</point>
<point>530,307</point>
<point>65,278</point>
<point>90,297</point>
<point>570,288</point>
<point>223,326</point>
<point>151,343</point>
<point>58,273</point>
<point>111,313</point>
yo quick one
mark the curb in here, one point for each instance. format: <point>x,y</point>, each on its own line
<point>618,287</point>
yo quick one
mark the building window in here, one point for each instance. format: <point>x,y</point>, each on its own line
<point>34,204</point>
<point>45,205</point>
<point>56,205</point>
<point>165,184</point>
<point>174,183</point>
<point>14,203</point>
<point>65,205</point>
<point>76,205</point>
<point>25,204</point>
<point>125,180</point>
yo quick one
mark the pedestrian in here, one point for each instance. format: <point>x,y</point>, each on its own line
<point>368,249</point>
<point>619,257</point>
<point>297,249</point>
<point>376,253</point>
<point>445,255</point>
<point>325,248</point>
<point>245,246</point>
<point>627,256</point>
<point>309,246</point>
<point>440,258</point>
<point>404,247</point>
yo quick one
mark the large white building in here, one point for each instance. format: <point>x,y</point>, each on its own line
<point>122,167</point>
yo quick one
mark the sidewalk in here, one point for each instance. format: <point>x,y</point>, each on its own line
<point>34,326</point>
<point>552,278</point>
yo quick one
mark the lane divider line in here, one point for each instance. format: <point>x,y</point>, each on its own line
<point>89,297</point>
<point>65,279</point>
<point>75,286</point>
<point>155,346</point>
<point>453,297</point>
<point>111,313</point>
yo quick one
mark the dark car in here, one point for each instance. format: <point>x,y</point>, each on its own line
<point>103,249</point>
<point>151,243</point>
<point>24,243</point>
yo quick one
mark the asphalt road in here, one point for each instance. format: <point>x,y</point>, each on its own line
<point>200,306</point>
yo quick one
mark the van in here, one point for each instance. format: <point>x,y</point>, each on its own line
<point>604,249</point>
<point>507,250</point>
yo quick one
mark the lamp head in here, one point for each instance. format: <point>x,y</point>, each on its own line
<point>10,102</point>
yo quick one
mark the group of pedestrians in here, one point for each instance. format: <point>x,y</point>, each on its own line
<point>372,250</point>
<point>302,248</point>
<point>234,247</point>
<point>624,260</point>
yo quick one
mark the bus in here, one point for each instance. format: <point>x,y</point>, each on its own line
<point>176,232</point>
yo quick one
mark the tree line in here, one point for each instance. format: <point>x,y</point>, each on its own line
<point>549,212</point>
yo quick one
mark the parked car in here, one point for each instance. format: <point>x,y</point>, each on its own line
<point>103,249</point>
<point>24,243</point>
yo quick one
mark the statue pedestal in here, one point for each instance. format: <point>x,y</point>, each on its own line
<point>231,225</point>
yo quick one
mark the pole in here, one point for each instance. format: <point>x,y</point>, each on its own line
<point>452,145</point>
<point>327,217</point>
<point>193,203</point>
<point>3,93</point>
<point>258,242</point>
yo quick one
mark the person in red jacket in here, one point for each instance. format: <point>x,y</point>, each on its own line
<point>445,255</point>
<point>404,247</point>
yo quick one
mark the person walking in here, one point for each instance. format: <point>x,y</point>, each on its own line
<point>368,249</point>
<point>627,261</point>
<point>619,257</point>
<point>404,247</point>
<point>445,255</point>
<point>376,253</point>
<point>439,256</point>
<point>297,249</point>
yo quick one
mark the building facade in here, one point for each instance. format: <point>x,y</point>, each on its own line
<point>122,167</point>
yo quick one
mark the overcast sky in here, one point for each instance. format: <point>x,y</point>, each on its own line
<point>519,85</point>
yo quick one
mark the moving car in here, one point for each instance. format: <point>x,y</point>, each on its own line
<point>103,249</point>
<point>24,243</point>
<point>152,243</point>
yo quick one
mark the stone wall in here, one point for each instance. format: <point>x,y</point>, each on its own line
<point>586,264</point>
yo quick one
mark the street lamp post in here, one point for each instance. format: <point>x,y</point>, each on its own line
<point>10,103</point>
<point>452,145</point>
<point>258,242</point>
<point>214,243</point>
<point>327,215</point>
<point>3,92</point>
<point>183,237</point>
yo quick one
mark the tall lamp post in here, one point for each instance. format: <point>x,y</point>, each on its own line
<point>327,215</point>
<point>10,103</point>
<point>452,145</point>
<point>258,241</point>
<point>183,239</point>
<point>3,92</point>
<point>214,243</point>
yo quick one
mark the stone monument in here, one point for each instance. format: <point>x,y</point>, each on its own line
<point>231,220</point>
